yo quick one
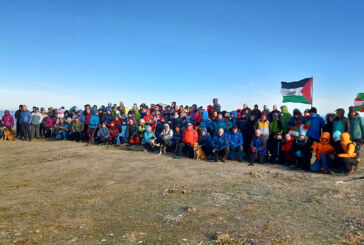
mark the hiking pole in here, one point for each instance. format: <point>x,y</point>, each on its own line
<point>92,135</point>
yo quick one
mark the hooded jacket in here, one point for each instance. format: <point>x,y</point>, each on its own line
<point>94,119</point>
<point>190,136</point>
<point>285,118</point>
<point>204,140</point>
<point>235,140</point>
<point>216,104</point>
<point>205,123</point>
<point>323,148</point>
<point>317,122</point>
<point>348,147</point>
<point>147,135</point>
<point>8,119</point>
<point>356,127</point>
<point>220,142</point>
<point>167,134</point>
<point>329,125</point>
<point>114,131</point>
<point>341,123</point>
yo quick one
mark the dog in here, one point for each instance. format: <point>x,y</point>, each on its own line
<point>162,148</point>
<point>199,154</point>
<point>8,134</point>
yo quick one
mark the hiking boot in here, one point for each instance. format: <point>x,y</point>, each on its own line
<point>177,157</point>
<point>222,159</point>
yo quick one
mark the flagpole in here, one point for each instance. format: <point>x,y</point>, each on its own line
<point>311,92</point>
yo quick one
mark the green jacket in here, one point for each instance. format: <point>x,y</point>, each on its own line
<point>285,118</point>
<point>77,127</point>
<point>356,128</point>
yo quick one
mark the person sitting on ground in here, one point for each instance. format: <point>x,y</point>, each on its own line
<point>190,137</point>
<point>121,138</point>
<point>204,140</point>
<point>323,151</point>
<point>301,150</point>
<point>236,144</point>
<point>103,134</point>
<point>219,144</point>
<point>165,137</point>
<point>148,134</point>
<point>131,133</point>
<point>258,148</point>
<point>350,157</point>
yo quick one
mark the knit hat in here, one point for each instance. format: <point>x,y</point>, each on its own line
<point>313,110</point>
<point>351,109</point>
<point>36,108</point>
<point>303,132</point>
<point>337,135</point>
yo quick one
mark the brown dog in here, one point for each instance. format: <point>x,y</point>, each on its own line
<point>199,154</point>
<point>8,134</point>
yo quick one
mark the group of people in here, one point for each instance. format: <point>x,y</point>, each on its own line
<point>252,134</point>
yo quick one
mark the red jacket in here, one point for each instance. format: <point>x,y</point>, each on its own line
<point>190,136</point>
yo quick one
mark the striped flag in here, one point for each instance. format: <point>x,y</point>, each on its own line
<point>359,102</point>
<point>297,92</point>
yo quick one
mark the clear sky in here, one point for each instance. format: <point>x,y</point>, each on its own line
<point>65,53</point>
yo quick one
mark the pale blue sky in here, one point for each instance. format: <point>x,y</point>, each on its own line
<point>64,53</point>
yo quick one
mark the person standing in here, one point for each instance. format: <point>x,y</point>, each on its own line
<point>18,127</point>
<point>36,120</point>
<point>25,120</point>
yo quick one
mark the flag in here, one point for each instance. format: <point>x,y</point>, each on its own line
<point>297,92</point>
<point>359,102</point>
<point>295,130</point>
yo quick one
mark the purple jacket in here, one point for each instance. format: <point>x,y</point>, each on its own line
<point>8,119</point>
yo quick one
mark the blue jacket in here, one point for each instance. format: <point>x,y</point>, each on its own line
<point>217,124</point>
<point>94,119</point>
<point>158,129</point>
<point>176,121</point>
<point>25,117</point>
<point>204,140</point>
<point>260,144</point>
<point>103,133</point>
<point>177,137</point>
<point>235,140</point>
<point>147,135</point>
<point>205,123</point>
<point>317,122</point>
<point>184,125</point>
<point>220,142</point>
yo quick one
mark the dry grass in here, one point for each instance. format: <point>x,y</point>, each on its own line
<point>66,193</point>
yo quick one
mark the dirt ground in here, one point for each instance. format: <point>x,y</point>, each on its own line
<point>66,193</point>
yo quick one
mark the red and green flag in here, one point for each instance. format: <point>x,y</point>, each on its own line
<point>297,92</point>
<point>295,130</point>
<point>359,102</point>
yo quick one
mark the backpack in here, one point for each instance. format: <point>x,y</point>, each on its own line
<point>356,151</point>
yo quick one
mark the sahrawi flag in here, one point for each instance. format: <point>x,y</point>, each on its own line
<point>359,102</point>
<point>297,92</point>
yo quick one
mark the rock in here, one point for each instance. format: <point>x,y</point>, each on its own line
<point>223,238</point>
<point>135,236</point>
<point>170,219</point>
<point>255,174</point>
<point>74,239</point>
<point>103,240</point>
<point>37,231</point>
<point>191,209</point>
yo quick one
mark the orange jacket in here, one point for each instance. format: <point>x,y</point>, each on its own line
<point>190,136</point>
<point>323,148</point>
<point>348,148</point>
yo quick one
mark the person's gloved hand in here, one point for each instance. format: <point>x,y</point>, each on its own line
<point>298,153</point>
<point>253,149</point>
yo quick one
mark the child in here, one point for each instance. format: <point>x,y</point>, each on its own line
<point>148,134</point>
<point>323,150</point>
